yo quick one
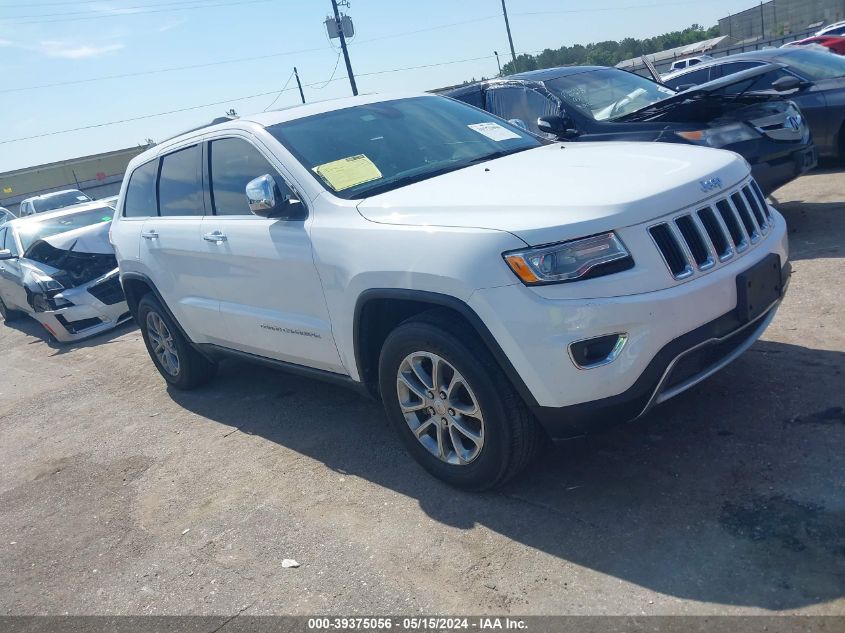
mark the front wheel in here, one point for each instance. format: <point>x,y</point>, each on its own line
<point>175,358</point>
<point>452,405</point>
<point>8,314</point>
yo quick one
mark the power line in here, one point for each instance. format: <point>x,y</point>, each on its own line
<point>331,77</point>
<point>226,101</point>
<point>160,70</point>
<point>280,92</point>
<point>139,12</point>
<point>142,73</point>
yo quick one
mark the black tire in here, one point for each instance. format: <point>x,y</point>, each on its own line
<point>194,369</point>
<point>512,435</point>
<point>10,315</point>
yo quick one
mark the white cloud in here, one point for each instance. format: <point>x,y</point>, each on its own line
<point>63,50</point>
<point>172,24</point>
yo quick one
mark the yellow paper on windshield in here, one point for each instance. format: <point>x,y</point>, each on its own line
<point>348,172</point>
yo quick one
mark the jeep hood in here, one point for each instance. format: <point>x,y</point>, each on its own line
<point>74,257</point>
<point>561,191</point>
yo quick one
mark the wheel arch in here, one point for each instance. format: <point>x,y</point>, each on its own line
<point>379,310</point>
<point>135,286</point>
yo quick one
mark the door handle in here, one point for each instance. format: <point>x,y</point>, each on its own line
<point>150,235</point>
<point>214,236</point>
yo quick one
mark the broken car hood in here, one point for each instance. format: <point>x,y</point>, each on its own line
<point>74,257</point>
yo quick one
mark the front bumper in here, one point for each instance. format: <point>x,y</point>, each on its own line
<point>88,315</point>
<point>773,172</point>
<point>678,366</point>
<point>676,337</point>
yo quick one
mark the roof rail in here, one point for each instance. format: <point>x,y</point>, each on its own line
<point>220,119</point>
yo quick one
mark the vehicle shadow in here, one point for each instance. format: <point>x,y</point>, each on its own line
<point>39,335</point>
<point>731,493</point>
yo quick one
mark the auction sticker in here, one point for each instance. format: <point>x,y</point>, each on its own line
<point>493,131</point>
<point>348,172</point>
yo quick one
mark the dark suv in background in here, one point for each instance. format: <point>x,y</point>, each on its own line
<point>596,103</point>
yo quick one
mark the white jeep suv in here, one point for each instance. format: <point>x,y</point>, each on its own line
<point>491,288</point>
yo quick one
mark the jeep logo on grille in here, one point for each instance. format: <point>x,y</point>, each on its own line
<point>710,184</point>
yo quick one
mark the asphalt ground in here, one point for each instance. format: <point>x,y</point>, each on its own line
<point>119,496</point>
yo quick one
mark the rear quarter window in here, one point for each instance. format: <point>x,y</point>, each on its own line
<point>140,199</point>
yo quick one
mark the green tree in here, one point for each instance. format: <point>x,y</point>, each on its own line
<point>609,53</point>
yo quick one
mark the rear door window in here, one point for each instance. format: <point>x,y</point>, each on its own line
<point>140,199</point>
<point>520,103</point>
<point>180,183</point>
<point>696,77</point>
<point>234,162</point>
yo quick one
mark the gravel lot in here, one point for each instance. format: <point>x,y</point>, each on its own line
<point>118,496</point>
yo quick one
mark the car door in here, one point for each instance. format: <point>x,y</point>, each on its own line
<point>11,276</point>
<point>171,245</point>
<point>520,104</point>
<point>270,294</point>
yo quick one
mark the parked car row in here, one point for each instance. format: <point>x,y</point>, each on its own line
<point>474,262</point>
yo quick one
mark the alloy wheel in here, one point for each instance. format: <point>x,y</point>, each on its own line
<point>440,408</point>
<point>162,343</point>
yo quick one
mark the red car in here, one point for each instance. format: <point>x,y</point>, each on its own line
<point>835,43</point>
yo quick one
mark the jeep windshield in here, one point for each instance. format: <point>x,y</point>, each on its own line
<point>608,93</point>
<point>369,149</point>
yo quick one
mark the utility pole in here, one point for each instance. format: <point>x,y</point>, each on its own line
<point>762,24</point>
<point>343,47</point>
<point>508,27</point>
<point>496,53</point>
<point>299,83</point>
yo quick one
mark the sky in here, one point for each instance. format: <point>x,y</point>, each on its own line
<point>118,60</point>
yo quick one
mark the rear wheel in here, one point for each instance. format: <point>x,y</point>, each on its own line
<point>452,405</point>
<point>175,358</point>
<point>8,314</point>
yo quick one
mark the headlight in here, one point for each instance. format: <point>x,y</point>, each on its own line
<point>48,284</point>
<point>569,261</point>
<point>720,136</point>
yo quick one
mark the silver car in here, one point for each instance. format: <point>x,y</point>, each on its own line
<point>6,215</point>
<point>59,268</point>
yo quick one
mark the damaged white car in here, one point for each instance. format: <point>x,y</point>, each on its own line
<point>59,268</point>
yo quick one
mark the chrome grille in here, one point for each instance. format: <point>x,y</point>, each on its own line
<point>727,226</point>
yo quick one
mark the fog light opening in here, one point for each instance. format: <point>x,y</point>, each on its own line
<point>597,351</point>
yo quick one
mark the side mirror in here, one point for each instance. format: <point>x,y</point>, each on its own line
<point>265,199</point>
<point>787,83</point>
<point>7,254</point>
<point>560,126</point>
